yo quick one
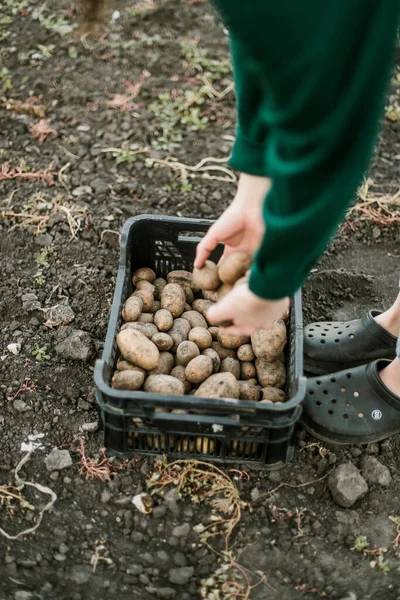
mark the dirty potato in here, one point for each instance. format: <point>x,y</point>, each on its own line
<point>179,373</point>
<point>164,384</point>
<point>246,353</point>
<point>155,307</point>
<point>173,299</point>
<point>230,365</point>
<point>220,385</point>
<point>206,278</point>
<point>201,337</point>
<point>223,290</point>
<point>202,307</point>
<point>199,369</point>
<point>148,329</point>
<point>273,394</point>
<point>195,318</point>
<point>214,333</point>
<point>185,352</point>
<point>159,284</point>
<point>249,391</point>
<point>270,373</point>
<point>146,285</point>
<point>136,348</point>
<point>214,357</point>
<point>223,352</point>
<point>165,364</point>
<point>147,299</point>
<point>145,273</point>
<point>247,370</point>
<point>132,309</point>
<point>233,267</point>
<point>231,341</point>
<point>146,318</point>
<point>269,343</point>
<point>180,276</point>
<point>163,320</point>
<point>127,380</point>
<point>179,332</point>
<point>124,365</point>
<point>163,341</point>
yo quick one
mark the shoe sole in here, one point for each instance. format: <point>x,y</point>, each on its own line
<point>348,440</point>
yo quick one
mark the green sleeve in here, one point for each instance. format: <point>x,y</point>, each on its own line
<point>249,149</point>
<point>324,68</point>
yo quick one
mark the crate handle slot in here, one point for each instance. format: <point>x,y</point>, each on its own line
<point>198,419</point>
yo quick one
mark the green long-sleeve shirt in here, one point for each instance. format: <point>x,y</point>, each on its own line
<point>310,78</point>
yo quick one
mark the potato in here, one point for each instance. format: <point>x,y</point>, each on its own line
<point>187,307</point>
<point>182,277</point>
<point>124,365</point>
<point>185,352</point>
<point>148,329</point>
<point>136,348</point>
<point>270,373</point>
<point>132,309</point>
<point>163,320</point>
<point>223,352</point>
<point>201,337</point>
<point>147,298</point>
<point>247,370</point>
<point>146,318</point>
<point>145,273</point>
<point>164,384</point>
<point>173,299</point>
<point>273,394</point>
<point>209,295</point>
<point>127,380</point>
<point>165,364</point>
<point>155,307</point>
<point>214,357</point>
<point>163,341</point>
<point>202,307</point>
<point>231,341</point>
<point>146,285</point>
<point>188,295</point>
<point>205,445</point>
<point>207,277</point>
<point>220,385</point>
<point>179,332</point>
<point>199,368</point>
<point>249,391</point>
<point>281,358</point>
<point>159,284</point>
<point>233,267</point>
<point>223,290</point>
<point>245,353</point>
<point>179,373</point>
<point>194,318</point>
<point>253,381</point>
<point>214,333</point>
<point>230,365</point>
<point>269,343</point>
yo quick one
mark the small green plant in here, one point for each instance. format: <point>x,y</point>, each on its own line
<point>197,60</point>
<point>126,156</point>
<point>39,280</point>
<point>40,353</point>
<point>360,543</point>
<point>16,5</point>
<point>381,563</point>
<point>43,256</point>
<point>5,79</point>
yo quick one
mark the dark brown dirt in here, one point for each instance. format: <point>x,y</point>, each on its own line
<point>74,80</point>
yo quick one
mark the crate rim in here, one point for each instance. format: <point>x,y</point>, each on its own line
<point>189,401</point>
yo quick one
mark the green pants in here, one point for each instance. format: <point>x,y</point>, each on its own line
<point>311,78</point>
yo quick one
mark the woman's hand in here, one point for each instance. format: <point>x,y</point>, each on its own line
<point>247,311</point>
<point>241,226</point>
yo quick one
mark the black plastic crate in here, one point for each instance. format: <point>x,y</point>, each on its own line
<point>214,429</point>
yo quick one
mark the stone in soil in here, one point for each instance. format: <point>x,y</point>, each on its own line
<point>181,530</point>
<point>61,314</point>
<point>181,575</point>
<point>77,345</point>
<point>375,472</point>
<point>58,459</point>
<point>347,485</point>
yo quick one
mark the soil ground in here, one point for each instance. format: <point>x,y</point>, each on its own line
<point>155,86</point>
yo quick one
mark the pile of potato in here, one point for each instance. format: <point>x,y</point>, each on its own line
<point>168,347</point>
